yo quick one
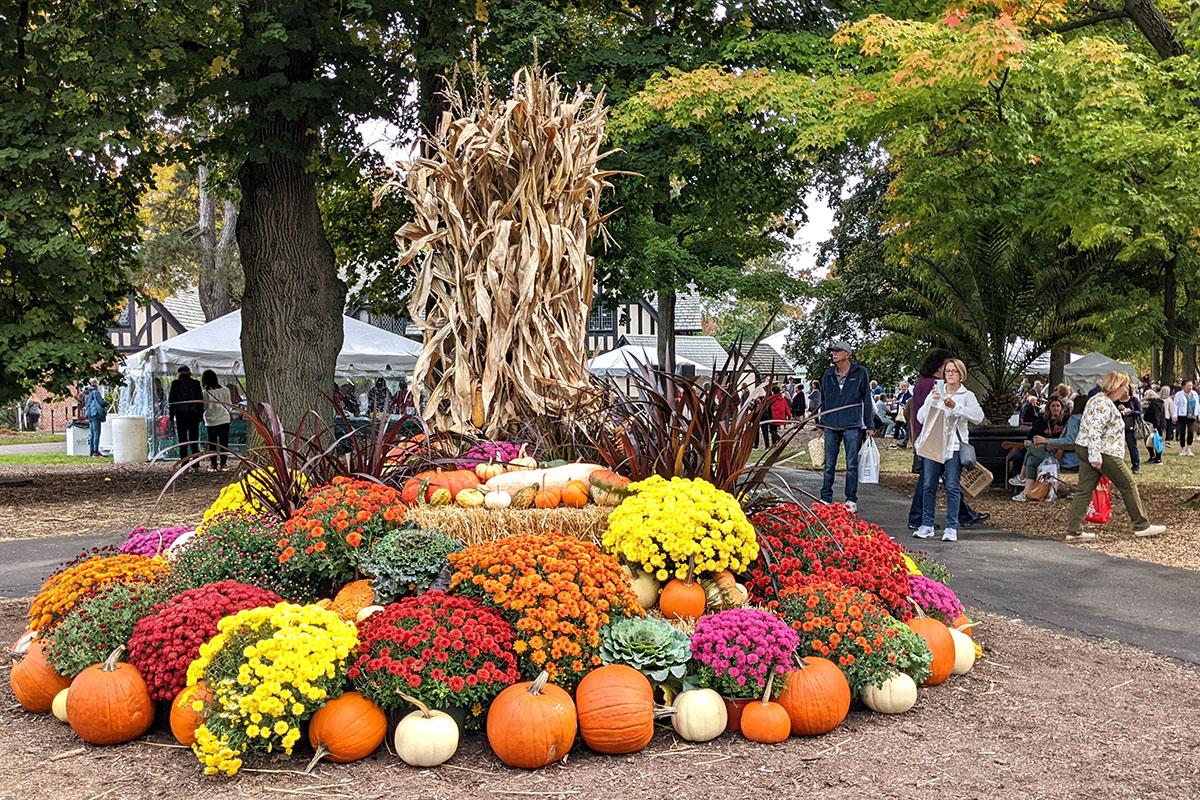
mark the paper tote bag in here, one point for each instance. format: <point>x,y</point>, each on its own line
<point>932,442</point>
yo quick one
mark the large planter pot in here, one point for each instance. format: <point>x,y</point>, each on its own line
<point>988,439</point>
<point>734,707</point>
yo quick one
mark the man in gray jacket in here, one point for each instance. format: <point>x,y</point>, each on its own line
<point>847,413</point>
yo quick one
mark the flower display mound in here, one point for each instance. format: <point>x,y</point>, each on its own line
<point>850,628</point>
<point>935,599</point>
<point>667,524</point>
<point>557,591</point>
<point>152,541</point>
<point>328,536</point>
<point>827,543</point>
<point>736,651</point>
<point>267,670</point>
<point>409,561</point>
<point>66,588</point>
<point>243,547</point>
<point>165,641</point>
<point>447,651</point>
<point>100,623</point>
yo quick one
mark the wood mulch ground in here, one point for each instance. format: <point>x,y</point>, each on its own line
<point>1042,716</point>
<point>66,500</point>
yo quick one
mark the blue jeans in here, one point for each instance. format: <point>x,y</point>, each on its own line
<point>916,510</point>
<point>833,442</point>
<point>93,436</point>
<point>950,472</point>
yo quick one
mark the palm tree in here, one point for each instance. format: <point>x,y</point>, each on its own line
<point>999,301</point>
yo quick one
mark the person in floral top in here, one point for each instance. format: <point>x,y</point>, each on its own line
<point>1101,449</point>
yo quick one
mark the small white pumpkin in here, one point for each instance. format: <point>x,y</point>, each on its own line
<point>700,715</point>
<point>897,695</point>
<point>497,499</point>
<point>21,646</point>
<point>59,706</point>
<point>365,612</point>
<point>964,652</point>
<point>180,542</point>
<point>426,738</point>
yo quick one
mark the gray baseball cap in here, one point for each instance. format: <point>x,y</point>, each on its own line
<point>841,344</point>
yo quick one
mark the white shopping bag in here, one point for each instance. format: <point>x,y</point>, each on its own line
<point>868,462</point>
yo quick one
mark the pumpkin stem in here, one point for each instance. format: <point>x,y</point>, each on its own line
<point>691,570</point>
<point>767,692</point>
<point>539,683</point>
<point>962,628</point>
<point>322,751</point>
<point>664,711</point>
<point>110,663</point>
<point>424,709</point>
<point>917,606</point>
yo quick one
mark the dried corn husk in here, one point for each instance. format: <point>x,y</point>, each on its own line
<point>506,203</point>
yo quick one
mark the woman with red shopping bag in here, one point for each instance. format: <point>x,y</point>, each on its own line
<point>1101,449</point>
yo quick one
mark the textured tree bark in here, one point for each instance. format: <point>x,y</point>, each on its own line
<point>216,298</point>
<point>293,299</point>
<point>666,330</point>
<point>1155,27</point>
<point>1059,358</point>
<point>1171,315</point>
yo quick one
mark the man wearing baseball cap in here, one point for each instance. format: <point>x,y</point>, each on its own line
<point>847,413</point>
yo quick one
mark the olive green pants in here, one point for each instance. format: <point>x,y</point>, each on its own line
<point>1117,471</point>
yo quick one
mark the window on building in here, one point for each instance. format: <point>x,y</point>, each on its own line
<point>601,319</point>
<point>126,317</point>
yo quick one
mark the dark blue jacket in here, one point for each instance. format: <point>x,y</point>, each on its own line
<point>856,393</point>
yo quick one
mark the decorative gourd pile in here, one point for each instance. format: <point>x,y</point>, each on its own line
<point>537,638</point>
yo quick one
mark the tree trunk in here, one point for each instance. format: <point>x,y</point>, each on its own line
<point>430,79</point>
<point>1155,27</point>
<point>1154,364</point>
<point>666,330</point>
<point>1171,315</point>
<point>216,298</point>
<point>1059,358</point>
<point>293,300</point>
<point>1188,370</point>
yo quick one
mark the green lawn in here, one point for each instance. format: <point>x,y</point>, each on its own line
<point>32,437</point>
<point>51,460</point>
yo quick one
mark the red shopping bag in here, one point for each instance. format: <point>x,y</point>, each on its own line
<point>1100,509</point>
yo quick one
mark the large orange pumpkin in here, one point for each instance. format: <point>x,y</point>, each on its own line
<point>34,682</point>
<point>765,721</point>
<point>682,600</point>
<point>109,702</point>
<point>615,705</point>
<point>454,480</point>
<point>353,598</point>
<point>184,718</point>
<point>532,724</point>
<point>575,494</point>
<point>816,697</point>
<point>941,644</point>
<point>347,728</point>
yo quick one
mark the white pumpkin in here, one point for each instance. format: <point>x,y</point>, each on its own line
<point>497,499</point>
<point>964,652</point>
<point>897,695</point>
<point>646,588</point>
<point>59,706</point>
<point>426,738</point>
<point>365,612</point>
<point>21,646</point>
<point>700,715</point>
<point>180,542</point>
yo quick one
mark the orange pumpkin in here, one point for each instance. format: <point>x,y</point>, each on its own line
<point>964,624</point>
<point>682,600</point>
<point>575,494</point>
<point>548,497</point>
<point>941,644</point>
<point>109,702</point>
<point>532,724</point>
<point>347,728</point>
<point>34,682</point>
<point>608,488</point>
<point>352,598</point>
<point>184,718</point>
<point>454,480</point>
<point>615,705</point>
<point>816,697</point>
<point>765,721</point>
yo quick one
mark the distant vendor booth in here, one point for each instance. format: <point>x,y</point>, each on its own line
<point>368,354</point>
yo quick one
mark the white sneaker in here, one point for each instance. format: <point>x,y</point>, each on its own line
<point>923,532</point>
<point>851,507</point>
<point>1083,536</point>
<point>1017,481</point>
<point>1153,530</point>
<point>950,535</point>
<point>1020,498</point>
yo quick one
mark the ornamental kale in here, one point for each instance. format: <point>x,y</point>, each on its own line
<point>655,648</point>
<point>407,561</point>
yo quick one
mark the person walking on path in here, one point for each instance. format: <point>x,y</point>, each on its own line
<point>946,415</point>
<point>217,400</point>
<point>847,412</point>
<point>1185,407</point>
<point>95,410</point>
<point>186,402</point>
<point>780,411</point>
<point>798,407</point>
<point>1101,449</point>
<point>1131,410</point>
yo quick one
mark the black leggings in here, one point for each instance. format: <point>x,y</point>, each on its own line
<point>1186,427</point>
<point>218,435</point>
<point>187,429</point>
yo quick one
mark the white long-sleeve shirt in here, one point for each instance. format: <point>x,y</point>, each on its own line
<point>966,411</point>
<point>1179,404</point>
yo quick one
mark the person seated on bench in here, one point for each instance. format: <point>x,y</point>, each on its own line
<point>1069,462</point>
<point>1050,426</point>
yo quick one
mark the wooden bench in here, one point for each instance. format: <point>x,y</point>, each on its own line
<point>1011,448</point>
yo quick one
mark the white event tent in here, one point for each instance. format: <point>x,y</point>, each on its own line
<point>628,359</point>
<point>1087,371</point>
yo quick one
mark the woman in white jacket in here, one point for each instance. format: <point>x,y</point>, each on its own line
<point>1185,407</point>
<point>959,407</point>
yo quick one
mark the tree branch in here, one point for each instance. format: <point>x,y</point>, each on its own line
<point>1105,16</point>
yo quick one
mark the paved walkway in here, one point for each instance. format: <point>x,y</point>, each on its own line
<point>1050,583</point>
<point>28,449</point>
